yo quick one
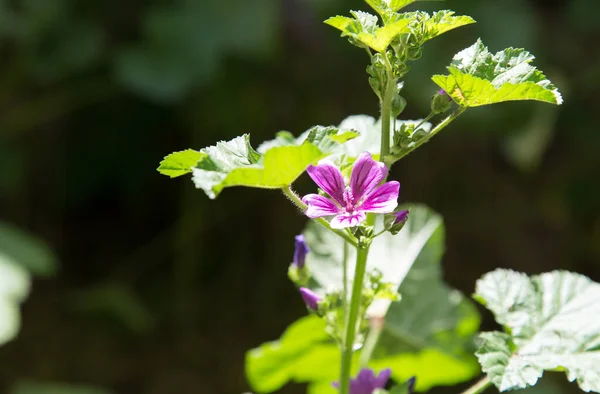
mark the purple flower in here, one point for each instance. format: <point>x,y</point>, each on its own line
<point>311,299</point>
<point>350,204</point>
<point>301,249</point>
<point>441,92</point>
<point>366,382</point>
<point>401,216</point>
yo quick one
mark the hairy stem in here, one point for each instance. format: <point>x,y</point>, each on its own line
<point>362,253</point>
<point>302,206</point>
<point>386,116</point>
<point>478,387</point>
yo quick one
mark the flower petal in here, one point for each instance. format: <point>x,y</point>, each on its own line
<point>348,219</point>
<point>330,179</point>
<point>311,299</point>
<point>319,206</point>
<point>382,378</point>
<point>366,175</point>
<point>383,199</point>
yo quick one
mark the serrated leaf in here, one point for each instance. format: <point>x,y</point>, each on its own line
<point>552,324</point>
<point>479,78</point>
<point>236,163</point>
<point>441,22</point>
<point>179,163</point>
<point>386,6</point>
<point>430,330</point>
<point>377,38</point>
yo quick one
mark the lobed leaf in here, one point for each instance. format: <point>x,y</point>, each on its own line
<point>479,78</point>
<point>179,163</point>
<point>551,322</point>
<point>365,30</point>
<point>236,163</point>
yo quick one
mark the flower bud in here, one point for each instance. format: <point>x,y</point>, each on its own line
<point>311,299</point>
<point>395,221</point>
<point>301,249</point>
<point>440,102</point>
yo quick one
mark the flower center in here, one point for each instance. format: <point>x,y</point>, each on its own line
<point>349,200</point>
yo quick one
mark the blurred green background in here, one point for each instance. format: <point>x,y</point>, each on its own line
<point>160,290</point>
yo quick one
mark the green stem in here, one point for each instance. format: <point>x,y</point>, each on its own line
<point>345,284</point>
<point>386,116</point>
<point>302,206</point>
<point>362,253</point>
<point>478,387</point>
<point>431,115</point>
<point>433,132</point>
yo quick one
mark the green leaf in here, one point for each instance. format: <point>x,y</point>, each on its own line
<point>443,21</point>
<point>479,78</point>
<point>32,387</point>
<point>236,163</point>
<point>551,322</point>
<point>386,6</point>
<point>179,163</point>
<point>303,353</point>
<point>429,332</point>
<point>27,251</point>
<point>364,30</point>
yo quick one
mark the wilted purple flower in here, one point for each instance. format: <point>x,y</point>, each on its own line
<point>301,249</point>
<point>401,216</point>
<point>366,382</point>
<point>350,204</point>
<point>311,299</point>
<point>410,385</point>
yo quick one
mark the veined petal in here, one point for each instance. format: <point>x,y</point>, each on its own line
<point>366,175</point>
<point>330,179</point>
<point>383,199</point>
<point>348,219</point>
<point>319,206</point>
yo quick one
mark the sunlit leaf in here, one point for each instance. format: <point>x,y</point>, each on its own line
<point>364,31</point>
<point>179,163</point>
<point>551,323</point>
<point>236,163</point>
<point>304,353</point>
<point>479,78</point>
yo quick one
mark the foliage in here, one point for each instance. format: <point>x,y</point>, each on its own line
<point>550,323</point>
<point>479,78</point>
<point>435,343</point>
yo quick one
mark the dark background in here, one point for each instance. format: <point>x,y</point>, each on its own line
<point>161,290</point>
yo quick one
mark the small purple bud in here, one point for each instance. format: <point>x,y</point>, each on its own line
<point>311,299</point>
<point>410,385</point>
<point>301,249</point>
<point>401,216</point>
<point>441,92</point>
